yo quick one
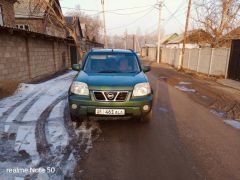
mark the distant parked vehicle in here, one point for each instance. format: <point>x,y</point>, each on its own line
<point>111,84</point>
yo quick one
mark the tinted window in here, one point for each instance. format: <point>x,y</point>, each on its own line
<point>111,63</point>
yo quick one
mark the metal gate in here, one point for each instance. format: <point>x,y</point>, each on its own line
<point>234,61</point>
<point>73,55</point>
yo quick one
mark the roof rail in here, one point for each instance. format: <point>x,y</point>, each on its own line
<point>131,50</point>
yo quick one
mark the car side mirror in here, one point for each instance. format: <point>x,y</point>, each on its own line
<point>76,67</point>
<point>146,68</point>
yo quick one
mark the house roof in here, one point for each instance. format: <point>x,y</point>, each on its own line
<point>177,40</point>
<point>27,33</point>
<point>234,34</point>
<point>33,9</point>
<point>26,9</point>
<point>70,20</point>
<point>168,38</point>
<point>194,36</point>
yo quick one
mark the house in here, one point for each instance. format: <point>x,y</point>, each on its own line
<point>32,17</point>
<point>194,39</point>
<point>227,39</point>
<point>168,38</point>
<point>84,29</point>
<point>74,22</point>
<point>7,13</point>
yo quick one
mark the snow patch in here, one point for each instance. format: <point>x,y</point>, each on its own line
<point>204,97</point>
<point>233,123</point>
<point>69,167</point>
<point>58,136</point>
<point>58,110</point>
<point>25,140</point>
<point>184,83</point>
<point>162,109</point>
<point>6,128</point>
<point>185,89</point>
<point>217,113</point>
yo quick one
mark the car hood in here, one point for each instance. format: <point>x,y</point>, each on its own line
<point>111,81</point>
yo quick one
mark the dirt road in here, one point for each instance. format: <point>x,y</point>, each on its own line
<point>185,140</point>
<point>191,135</point>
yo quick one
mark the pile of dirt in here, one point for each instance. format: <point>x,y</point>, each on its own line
<point>7,88</point>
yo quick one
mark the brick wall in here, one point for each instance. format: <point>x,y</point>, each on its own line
<point>8,12</point>
<point>25,59</point>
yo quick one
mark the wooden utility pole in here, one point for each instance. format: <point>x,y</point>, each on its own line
<point>125,39</point>
<point>104,26</point>
<point>159,30</point>
<point>134,42</point>
<point>185,34</point>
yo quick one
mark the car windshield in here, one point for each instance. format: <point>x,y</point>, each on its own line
<point>111,63</point>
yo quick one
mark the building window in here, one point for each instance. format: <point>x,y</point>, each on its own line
<point>23,27</point>
<point>1,16</point>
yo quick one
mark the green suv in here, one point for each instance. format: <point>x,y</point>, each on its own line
<point>111,84</point>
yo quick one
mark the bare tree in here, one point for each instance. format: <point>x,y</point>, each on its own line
<point>218,18</point>
<point>54,15</point>
<point>93,24</point>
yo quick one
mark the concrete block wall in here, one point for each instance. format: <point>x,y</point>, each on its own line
<point>220,61</point>
<point>13,59</point>
<point>41,57</point>
<point>208,61</point>
<point>205,59</point>
<point>193,59</point>
<point>152,53</point>
<point>144,52</point>
<point>24,59</point>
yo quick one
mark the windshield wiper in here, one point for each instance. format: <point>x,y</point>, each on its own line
<point>109,71</point>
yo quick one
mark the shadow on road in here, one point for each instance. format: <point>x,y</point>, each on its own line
<point>133,150</point>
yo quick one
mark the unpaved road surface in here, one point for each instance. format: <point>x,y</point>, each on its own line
<point>189,136</point>
<point>185,139</point>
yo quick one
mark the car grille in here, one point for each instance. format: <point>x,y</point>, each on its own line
<point>117,96</point>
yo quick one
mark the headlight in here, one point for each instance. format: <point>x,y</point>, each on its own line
<point>79,88</point>
<point>141,89</point>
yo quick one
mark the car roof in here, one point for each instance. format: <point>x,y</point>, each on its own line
<point>111,50</point>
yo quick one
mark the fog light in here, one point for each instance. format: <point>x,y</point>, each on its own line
<point>146,107</point>
<point>74,106</point>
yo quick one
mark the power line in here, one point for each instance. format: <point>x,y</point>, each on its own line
<point>120,9</point>
<point>172,15</point>
<point>124,26</point>
<point>137,12</point>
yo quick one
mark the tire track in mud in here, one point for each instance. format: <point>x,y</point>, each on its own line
<point>77,144</point>
<point>41,139</point>
<point>11,109</point>
<point>43,147</point>
<point>14,127</point>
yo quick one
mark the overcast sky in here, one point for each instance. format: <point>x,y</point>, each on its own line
<point>144,17</point>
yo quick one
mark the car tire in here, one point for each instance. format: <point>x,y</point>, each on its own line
<point>146,118</point>
<point>75,118</point>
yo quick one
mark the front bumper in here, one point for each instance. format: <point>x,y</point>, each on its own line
<point>86,106</point>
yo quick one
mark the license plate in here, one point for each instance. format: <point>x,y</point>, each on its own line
<point>110,112</point>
